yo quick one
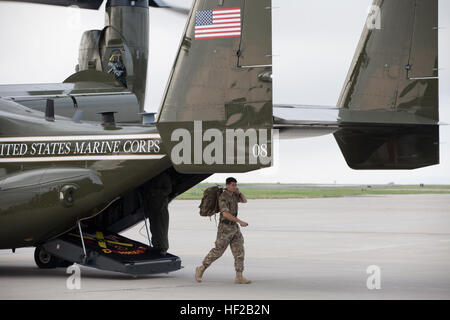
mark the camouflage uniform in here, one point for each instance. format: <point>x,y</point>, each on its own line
<point>228,233</point>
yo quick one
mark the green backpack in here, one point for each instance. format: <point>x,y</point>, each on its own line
<point>210,201</point>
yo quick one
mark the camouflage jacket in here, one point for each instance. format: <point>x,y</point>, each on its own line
<point>229,202</point>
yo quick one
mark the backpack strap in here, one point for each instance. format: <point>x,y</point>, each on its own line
<point>215,218</point>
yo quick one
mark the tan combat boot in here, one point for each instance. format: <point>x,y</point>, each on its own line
<point>199,273</point>
<point>240,279</point>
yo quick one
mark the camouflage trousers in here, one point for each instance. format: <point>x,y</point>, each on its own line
<point>227,234</point>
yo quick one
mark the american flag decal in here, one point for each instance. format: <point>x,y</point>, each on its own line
<point>218,23</point>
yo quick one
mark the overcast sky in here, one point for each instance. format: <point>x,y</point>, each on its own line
<point>314,43</point>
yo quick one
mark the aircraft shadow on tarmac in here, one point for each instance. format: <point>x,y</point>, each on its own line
<point>35,272</point>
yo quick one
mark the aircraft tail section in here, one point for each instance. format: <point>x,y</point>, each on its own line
<point>390,102</point>
<point>221,80</point>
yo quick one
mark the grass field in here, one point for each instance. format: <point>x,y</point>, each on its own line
<point>285,191</point>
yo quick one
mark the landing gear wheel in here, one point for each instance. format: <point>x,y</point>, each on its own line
<point>45,260</point>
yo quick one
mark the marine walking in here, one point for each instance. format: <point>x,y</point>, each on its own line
<point>228,232</point>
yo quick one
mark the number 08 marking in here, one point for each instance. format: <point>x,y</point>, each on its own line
<point>259,150</point>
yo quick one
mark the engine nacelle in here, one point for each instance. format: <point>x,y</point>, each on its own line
<point>121,48</point>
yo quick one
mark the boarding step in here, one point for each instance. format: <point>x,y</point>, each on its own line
<point>110,251</point>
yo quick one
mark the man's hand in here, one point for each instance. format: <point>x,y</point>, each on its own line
<point>230,217</point>
<point>241,195</point>
<point>243,223</point>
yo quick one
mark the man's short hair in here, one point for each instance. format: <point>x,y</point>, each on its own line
<point>230,180</point>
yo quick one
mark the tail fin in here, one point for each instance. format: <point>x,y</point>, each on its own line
<point>390,101</point>
<point>222,76</point>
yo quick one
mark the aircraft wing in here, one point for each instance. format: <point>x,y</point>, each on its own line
<point>303,117</point>
<point>303,121</point>
<point>43,91</point>
<point>70,97</point>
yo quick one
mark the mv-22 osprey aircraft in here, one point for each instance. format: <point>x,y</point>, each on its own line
<point>77,158</point>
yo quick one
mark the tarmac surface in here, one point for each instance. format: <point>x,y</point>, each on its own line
<point>295,249</point>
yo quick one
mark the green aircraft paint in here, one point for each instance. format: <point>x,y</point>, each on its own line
<point>58,170</point>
